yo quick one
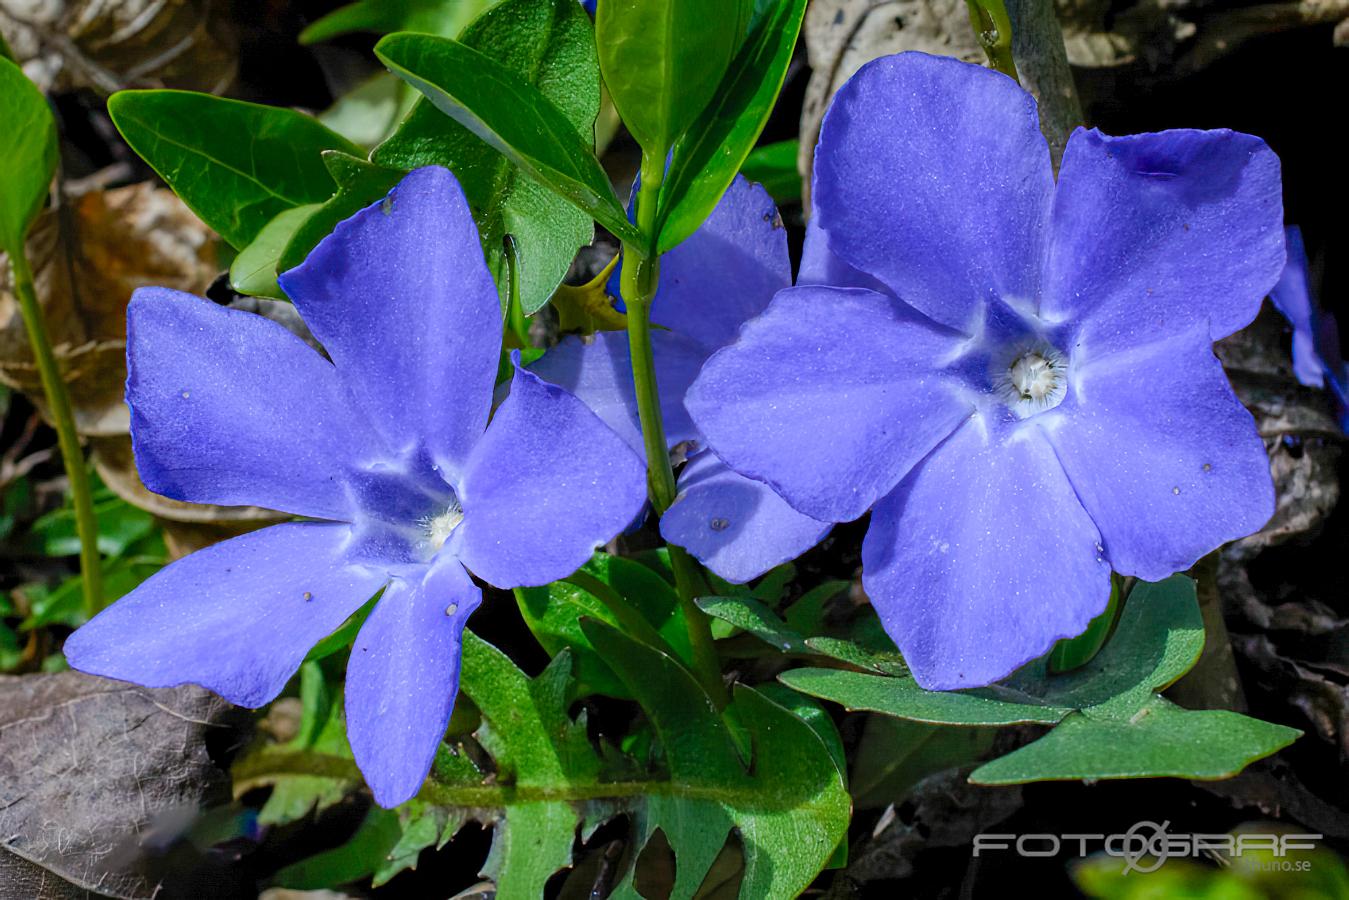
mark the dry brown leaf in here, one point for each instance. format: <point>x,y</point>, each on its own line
<point>108,45</point>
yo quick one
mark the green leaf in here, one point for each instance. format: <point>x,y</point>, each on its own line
<point>1159,739</point>
<point>442,17</point>
<point>502,108</point>
<point>1114,724</point>
<point>895,754</point>
<point>550,44</point>
<point>358,858</point>
<point>236,165</point>
<point>548,782</point>
<point>791,809</point>
<point>359,184</point>
<point>774,166</point>
<point>553,614</point>
<point>28,151</point>
<point>254,270</point>
<point>903,697</point>
<point>663,59</point>
<point>707,158</point>
<point>121,526</point>
<point>753,616</point>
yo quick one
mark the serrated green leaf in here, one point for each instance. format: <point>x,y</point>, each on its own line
<point>1160,739</point>
<point>503,109</point>
<point>551,45</point>
<point>707,158</point>
<point>236,165</point>
<point>28,152</point>
<point>663,59</point>
<point>254,270</point>
<point>791,811</point>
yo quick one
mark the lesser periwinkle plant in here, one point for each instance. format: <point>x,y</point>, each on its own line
<point>1008,368</point>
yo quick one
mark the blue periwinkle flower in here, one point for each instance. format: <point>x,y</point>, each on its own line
<point>1015,377</point>
<point>1316,337</point>
<point>721,276</point>
<point>387,446</point>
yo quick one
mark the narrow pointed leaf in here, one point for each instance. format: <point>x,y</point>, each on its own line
<point>707,158</point>
<point>28,153</point>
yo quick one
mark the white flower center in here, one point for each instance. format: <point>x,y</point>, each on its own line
<point>1035,381</point>
<point>438,528</point>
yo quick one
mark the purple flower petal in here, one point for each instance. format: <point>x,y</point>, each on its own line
<point>598,372</point>
<point>546,486</point>
<point>932,176</point>
<point>726,272</point>
<point>1316,339</point>
<point>1154,232</point>
<point>821,265</point>
<point>402,301</point>
<point>229,407</point>
<point>1163,455</point>
<point>237,617</point>
<point>736,527</point>
<point>1292,296</point>
<point>403,677</point>
<point>982,558</point>
<point>830,397</point>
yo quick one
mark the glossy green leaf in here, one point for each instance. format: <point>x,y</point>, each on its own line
<point>774,166</point>
<point>28,153</point>
<point>502,108</point>
<point>236,165</point>
<point>551,44</point>
<point>254,270</point>
<point>442,17</point>
<point>663,59</point>
<point>359,184</point>
<point>1114,724</point>
<point>707,158</point>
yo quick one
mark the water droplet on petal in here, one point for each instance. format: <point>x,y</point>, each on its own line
<point>1175,490</point>
<point>452,609</point>
<point>186,394</point>
<point>308,596</point>
<point>719,524</point>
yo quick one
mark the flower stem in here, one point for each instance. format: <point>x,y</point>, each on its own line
<point>641,274</point>
<point>58,403</point>
<point>993,27</point>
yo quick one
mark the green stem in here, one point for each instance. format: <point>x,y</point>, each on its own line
<point>993,27</point>
<point>58,403</point>
<point>641,274</point>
